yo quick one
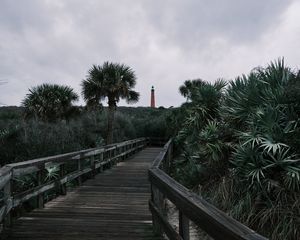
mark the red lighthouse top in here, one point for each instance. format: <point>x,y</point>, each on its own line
<point>152,98</point>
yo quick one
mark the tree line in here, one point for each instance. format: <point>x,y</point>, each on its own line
<point>111,81</point>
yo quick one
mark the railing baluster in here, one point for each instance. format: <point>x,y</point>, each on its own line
<point>169,157</point>
<point>115,155</point>
<point>101,160</point>
<point>7,190</point>
<point>184,226</point>
<point>79,168</point>
<point>40,196</point>
<point>159,201</point>
<point>92,164</point>
<point>62,172</point>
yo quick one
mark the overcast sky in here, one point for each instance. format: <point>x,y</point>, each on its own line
<point>164,41</point>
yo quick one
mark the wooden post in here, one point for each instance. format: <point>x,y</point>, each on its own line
<point>114,156</point>
<point>63,187</point>
<point>159,201</point>
<point>93,172</point>
<point>118,153</point>
<point>169,158</point>
<point>121,152</point>
<point>184,226</point>
<point>109,159</point>
<point>40,196</point>
<point>79,168</point>
<point>101,160</point>
<point>7,196</point>
<point>134,147</point>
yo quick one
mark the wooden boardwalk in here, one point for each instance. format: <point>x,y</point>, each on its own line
<point>113,205</point>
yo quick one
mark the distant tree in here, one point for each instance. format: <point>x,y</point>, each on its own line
<point>111,81</point>
<point>49,102</point>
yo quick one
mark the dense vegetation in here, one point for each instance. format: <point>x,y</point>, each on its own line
<point>239,146</point>
<point>27,139</point>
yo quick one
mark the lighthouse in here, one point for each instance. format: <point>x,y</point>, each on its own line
<point>152,104</point>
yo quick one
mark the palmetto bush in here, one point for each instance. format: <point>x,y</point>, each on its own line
<point>266,157</point>
<point>50,102</point>
<point>262,126</point>
<point>247,141</point>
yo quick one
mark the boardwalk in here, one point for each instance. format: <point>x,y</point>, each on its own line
<point>114,205</point>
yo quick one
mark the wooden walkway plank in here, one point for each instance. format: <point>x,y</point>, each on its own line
<point>113,205</point>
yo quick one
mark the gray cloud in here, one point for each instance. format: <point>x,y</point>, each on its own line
<point>194,23</point>
<point>165,42</point>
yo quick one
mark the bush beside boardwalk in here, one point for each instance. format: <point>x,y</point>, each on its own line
<point>22,140</point>
<point>239,147</point>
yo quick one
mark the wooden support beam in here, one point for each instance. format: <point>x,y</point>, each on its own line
<point>101,160</point>
<point>159,202</point>
<point>184,226</point>
<point>79,168</point>
<point>7,192</point>
<point>40,196</point>
<point>92,164</point>
<point>63,186</point>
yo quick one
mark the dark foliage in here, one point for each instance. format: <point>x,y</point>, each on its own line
<point>239,147</point>
<point>23,140</point>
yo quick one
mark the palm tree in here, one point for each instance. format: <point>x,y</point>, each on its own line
<point>49,102</point>
<point>111,81</point>
<point>189,86</point>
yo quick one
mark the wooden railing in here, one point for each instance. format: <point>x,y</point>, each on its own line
<point>213,221</point>
<point>71,166</point>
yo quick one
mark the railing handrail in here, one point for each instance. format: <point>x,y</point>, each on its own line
<point>213,221</point>
<point>160,157</point>
<point>63,156</point>
<point>8,172</point>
